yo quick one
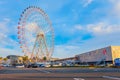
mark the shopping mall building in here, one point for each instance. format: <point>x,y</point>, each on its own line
<point>107,55</point>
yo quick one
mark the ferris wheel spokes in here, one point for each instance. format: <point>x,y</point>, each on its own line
<point>41,48</point>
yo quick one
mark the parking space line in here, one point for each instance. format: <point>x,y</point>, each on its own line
<point>78,79</point>
<point>110,77</point>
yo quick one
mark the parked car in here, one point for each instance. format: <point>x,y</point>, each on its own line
<point>117,62</point>
<point>37,65</point>
<point>32,65</point>
<point>4,65</point>
<point>1,65</point>
<point>20,66</point>
<point>44,65</point>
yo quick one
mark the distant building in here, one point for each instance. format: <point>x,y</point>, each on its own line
<point>53,59</point>
<point>14,59</point>
<point>107,54</point>
<point>65,59</point>
<point>64,62</point>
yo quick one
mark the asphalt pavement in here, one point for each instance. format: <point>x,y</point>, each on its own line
<point>60,74</point>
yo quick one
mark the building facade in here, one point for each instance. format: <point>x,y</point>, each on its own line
<point>14,59</point>
<point>107,54</point>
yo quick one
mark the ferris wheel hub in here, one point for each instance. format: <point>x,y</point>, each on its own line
<point>41,34</point>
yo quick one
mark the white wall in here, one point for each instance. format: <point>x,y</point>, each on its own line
<point>96,55</point>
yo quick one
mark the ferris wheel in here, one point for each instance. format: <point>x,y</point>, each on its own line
<point>35,33</point>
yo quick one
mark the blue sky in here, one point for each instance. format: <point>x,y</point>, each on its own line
<point>79,25</point>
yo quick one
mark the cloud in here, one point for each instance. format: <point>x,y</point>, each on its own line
<point>63,51</point>
<point>100,42</point>
<point>8,45</point>
<point>6,30</point>
<point>6,51</point>
<point>67,17</point>
<point>78,27</point>
<point>115,7</point>
<point>3,25</point>
<point>87,2</point>
<point>102,28</point>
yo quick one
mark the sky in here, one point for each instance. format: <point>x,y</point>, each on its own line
<point>79,25</point>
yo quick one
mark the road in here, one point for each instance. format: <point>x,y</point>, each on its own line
<point>60,74</point>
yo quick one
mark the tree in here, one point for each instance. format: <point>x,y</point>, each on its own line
<point>1,58</point>
<point>44,58</point>
<point>5,59</point>
<point>25,59</point>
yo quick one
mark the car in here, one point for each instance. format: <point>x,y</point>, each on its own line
<point>44,65</point>
<point>32,65</point>
<point>1,66</point>
<point>19,66</point>
<point>117,62</point>
<point>6,65</point>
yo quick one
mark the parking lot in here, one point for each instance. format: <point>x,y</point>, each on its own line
<point>60,74</point>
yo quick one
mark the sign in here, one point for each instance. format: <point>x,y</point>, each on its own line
<point>104,51</point>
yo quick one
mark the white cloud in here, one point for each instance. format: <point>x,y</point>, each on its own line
<point>102,28</point>
<point>3,25</point>
<point>101,41</point>
<point>7,28</point>
<point>78,27</point>
<point>6,51</point>
<point>8,45</point>
<point>5,31</point>
<point>6,41</point>
<point>87,2</point>
<point>63,51</point>
<point>115,7</point>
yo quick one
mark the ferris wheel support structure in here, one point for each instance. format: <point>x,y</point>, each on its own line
<point>40,39</point>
